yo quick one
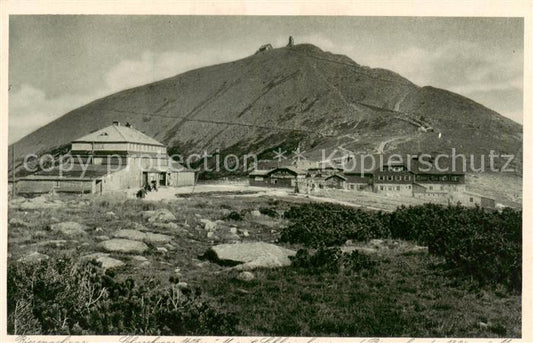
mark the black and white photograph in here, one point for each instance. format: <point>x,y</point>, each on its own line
<point>264,175</point>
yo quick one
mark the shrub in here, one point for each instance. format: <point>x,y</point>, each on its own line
<point>269,212</point>
<point>331,260</point>
<point>61,297</point>
<point>483,244</point>
<point>329,224</point>
<point>234,216</point>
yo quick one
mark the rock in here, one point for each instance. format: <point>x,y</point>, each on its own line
<point>94,256</point>
<point>124,245</point>
<point>101,238</point>
<point>162,250</point>
<point>349,243</point>
<point>255,213</point>
<point>211,234</point>
<point>233,230</point>
<point>246,276</point>
<point>177,271</point>
<point>109,263</point>
<point>251,255</point>
<point>105,261</point>
<point>98,229</point>
<point>18,222</point>
<point>130,234</point>
<point>244,233</point>
<point>166,226</point>
<point>159,216</point>
<point>54,220</point>
<point>139,258</point>
<point>34,257</point>
<point>151,237</point>
<point>182,285</point>
<point>377,243</point>
<point>144,264</point>
<point>68,228</point>
<point>231,237</point>
<point>170,246</point>
<point>208,225</point>
<point>416,249</point>
<point>110,214</point>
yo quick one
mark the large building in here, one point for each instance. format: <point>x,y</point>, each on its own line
<point>116,157</point>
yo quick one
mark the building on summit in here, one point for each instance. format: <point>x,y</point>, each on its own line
<point>114,158</point>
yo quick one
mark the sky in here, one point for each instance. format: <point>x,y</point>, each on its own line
<point>58,63</point>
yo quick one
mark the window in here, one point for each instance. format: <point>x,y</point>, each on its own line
<point>258,178</point>
<point>471,199</point>
<point>381,188</point>
<point>381,177</point>
<point>397,188</point>
<point>398,178</point>
<point>430,188</point>
<point>409,187</point>
<point>389,177</point>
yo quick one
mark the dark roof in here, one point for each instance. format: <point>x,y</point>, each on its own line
<point>337,176</point>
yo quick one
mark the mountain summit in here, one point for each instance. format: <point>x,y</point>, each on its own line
<point>292,96</point>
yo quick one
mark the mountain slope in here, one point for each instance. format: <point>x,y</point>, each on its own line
<point>285,97</point>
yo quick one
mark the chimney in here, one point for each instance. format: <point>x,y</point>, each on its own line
<point>116,123</point>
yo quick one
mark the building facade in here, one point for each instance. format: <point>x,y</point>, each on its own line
<point>114,158</point>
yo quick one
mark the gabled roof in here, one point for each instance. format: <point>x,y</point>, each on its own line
<point>337,176</point>
<point>266,172</point>
<point>118,134</point>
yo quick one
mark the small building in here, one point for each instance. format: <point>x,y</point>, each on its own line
<point>287,177</point>
<point>116,157</point>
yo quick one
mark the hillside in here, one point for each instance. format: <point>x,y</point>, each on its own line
<point>285,97</point>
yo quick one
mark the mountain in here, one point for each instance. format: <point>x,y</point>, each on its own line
<point>289,97</point>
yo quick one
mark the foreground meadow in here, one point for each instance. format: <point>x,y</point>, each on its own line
<point>112,265</point>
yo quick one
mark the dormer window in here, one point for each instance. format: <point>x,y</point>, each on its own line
<point>103,134</point>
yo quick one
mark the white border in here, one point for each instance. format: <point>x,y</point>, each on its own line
<point>443,8</point>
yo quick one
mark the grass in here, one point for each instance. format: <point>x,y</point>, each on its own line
<point>405,295</point>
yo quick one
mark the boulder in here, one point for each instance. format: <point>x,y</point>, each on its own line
<point>250,255</point>
<point>208,224</point>
<point>166,226</point>
<point>244,233</point>
<point>233,230</point>
<point>130,234</point>
<point>139,258</point>
<point>124,245</point>
<point>256,213</point>
<point>246,276</point>
<point>104,260</point>
<point>68,228</point>
<point>159,216</point>
<point>109,263</point>
<point>162,250</point>
<point>101,238</point>
<point>151,237</point>
<point>34,257</point>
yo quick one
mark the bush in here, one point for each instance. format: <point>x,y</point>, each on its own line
<point>269,212</point>
<point>328,224</point>
<point>483,244</point>
<point>61,297</point>
<point>331,260</point>
<point>234,216</point>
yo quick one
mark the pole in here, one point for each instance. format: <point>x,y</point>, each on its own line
<point>14,187</point>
